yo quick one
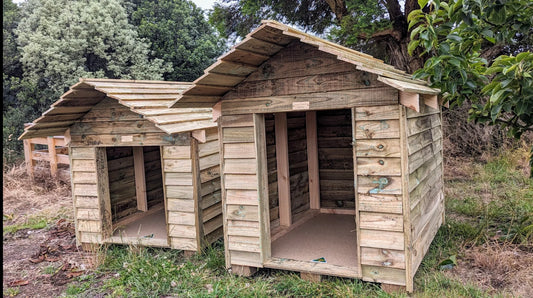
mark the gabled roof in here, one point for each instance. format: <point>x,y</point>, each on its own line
<point>267,40</point>
<point>151,99</point>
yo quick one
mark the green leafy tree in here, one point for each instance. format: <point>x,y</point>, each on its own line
<point>378,27</point>
<point>179,34</point>
<point>63,40</point>
<point>480,51</point>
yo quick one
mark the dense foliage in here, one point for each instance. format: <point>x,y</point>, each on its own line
<point>179,34</point>
<point>49,44</point>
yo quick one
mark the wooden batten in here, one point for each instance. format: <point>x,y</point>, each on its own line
<point>312,164</point>
<point>410,100</point>
<point>282,153</point>
<point>140,179</point>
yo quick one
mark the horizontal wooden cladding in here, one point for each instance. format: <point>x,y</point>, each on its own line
<point>83,165</point>
<point>245,120</point>
<point>177,165</point>
<point>209,161</point>
<point>242,212</point>
<point>424,111</point>
<point>210,173</point>
<point>234,181</point>
<point>239,150</point>
<point>243,228</point>
<point>245,258</point>
<point>382,129</point>
<point>85,189</point>
<point>383,257</point>
<point>181,218</point>
<point>382,239</point>
<point>87,237</point>
<point>420,174</point>
<point>242,197</point>
<point>83,177</point>
<point>243,243</point>
<point>383,275</point>
<point>421,245</point>
<point>378,166</point>
<point>182,231</point>
<point>238,134</point>
<point>115,127</point>
<point>87,214</point>
<point>184,179</point>
<point>183,243</point>
<point>140,139</point>
<point>83,201</point>
<point>208,148</point>
<point>177,152</point>
<point>240,166</point>
<point>422,139</point>
<point>377,113</point>
<point>82,153</point>
<point>428,208</point>
<point>93,226</point>
<point>380,203</point>
<point>180,205</point>
<point>419,124</point>
<point>311,101</point>
<point>381,221</point>
<point>183,192</point>
<point>390,185</point>
<point>326,82</point>
<point>378,148</point>
<point>431,151</point>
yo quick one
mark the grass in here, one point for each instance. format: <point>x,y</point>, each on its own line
<point>488,208</point>
<point>32,223</point>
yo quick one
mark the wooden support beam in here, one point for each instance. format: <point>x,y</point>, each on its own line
<point>140,179</point>
<point>282,156</point>
<point>312,160</point>
<point>52,156</point>
<point>199,135</point>
<point>28,156</point>
<point>410,100</point>
<point>431,101</point>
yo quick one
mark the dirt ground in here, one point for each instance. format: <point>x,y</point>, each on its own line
<point>39,263</point>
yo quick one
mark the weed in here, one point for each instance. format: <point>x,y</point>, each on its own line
<point>11,292</point>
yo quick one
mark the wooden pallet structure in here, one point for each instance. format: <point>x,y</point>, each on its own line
<point>53,159</point>
<point>142,173</point>
<point>331,160</point>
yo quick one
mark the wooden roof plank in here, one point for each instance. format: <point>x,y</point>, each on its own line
<point>259,46</point>
<point>408,86</point>
<point>232,68</point>
<point>217,79</point>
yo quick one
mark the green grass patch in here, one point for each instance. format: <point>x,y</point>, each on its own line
<point>34,223</point>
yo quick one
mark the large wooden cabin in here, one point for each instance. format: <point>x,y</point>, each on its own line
<point>331,159</point>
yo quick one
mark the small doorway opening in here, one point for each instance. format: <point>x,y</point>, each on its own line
<point>311,187</point>
<point>136,195</point>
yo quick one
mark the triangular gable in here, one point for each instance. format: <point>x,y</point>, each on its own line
<point>151,99</point>
<point>262,44</point>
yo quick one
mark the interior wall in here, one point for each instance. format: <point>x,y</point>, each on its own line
<point>121,182</point>
<point>335,159</point>
<point>153,175</point>
<point>299,178</point>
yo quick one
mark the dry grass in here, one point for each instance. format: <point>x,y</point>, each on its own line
<point>42,197</point>
<point>498,268</point>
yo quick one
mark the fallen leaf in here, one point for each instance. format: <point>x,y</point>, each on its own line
<point>17,283</point>
<point>74,274</point>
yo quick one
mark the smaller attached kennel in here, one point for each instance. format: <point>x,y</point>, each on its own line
<point>141,173</point>
<point>331,159</point>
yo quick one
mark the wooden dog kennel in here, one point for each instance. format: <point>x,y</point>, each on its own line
<point>142,173</point>
<point>332,160</point>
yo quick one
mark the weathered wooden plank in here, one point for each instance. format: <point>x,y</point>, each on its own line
<point>83,177</point>
<point>243,228</point>
<point>238,134</point>
<point>114,127</point>
<point>240,166</point>
<point>176,152</point>
<point>182,231</point>
<point>181,218</point>
<point>377,113</point>
<point>378,148</point>
<point>381,221</point>
<point>388,185</point>
<point>242,197</point>
<point>419,124</point>
<point>243,243</point>
<point>83,165</point>
<point>383,257</point>
<point>311,101</point>
<point>87,202</point>
<point>242,212</point>
<point>245,120</point>
<point>312,156</point>
<point>239,150</point>
<point>384,275</point>
<point>87,237</point>
<point>382,166</point>
<point>87,214</point>
<point>93,226</point>
<point>85,190</point>
<point>182,192</point>
<point>421,245</point>
<point>382,129</point>
<point>82,153</point>
<point>245,258</point>
<point>209,161</point>
<point>382,239</point>
<point>234,181</point>
<point>180,205</point>
<point>208,148</point>
<point>141,139</point>
<point>380,203</point>
<point>188,244</point>
<point>178,179</point>
<point>177,165</point>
